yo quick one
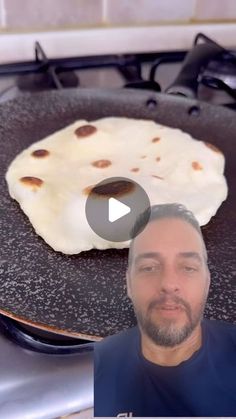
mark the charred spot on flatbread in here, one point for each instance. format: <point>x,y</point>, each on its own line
<point>158,177</point>
<point>62,187</point>
<point>85,131</point>
<point>158,158</point>
<point>31,181</point>
<point>88,189</point>
<point>156,140</point>
<point>116,188</point>
<point>196,165</point>
<point>213,147</point>
<point>101,164</point>
<point>135,169</point>
<point>40,153</point>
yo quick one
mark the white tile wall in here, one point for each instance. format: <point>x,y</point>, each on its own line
<point>46,14</point>
<point>2,14</point>
<point>43,15</point>
<point>215,10</point>
<point>149,11</point>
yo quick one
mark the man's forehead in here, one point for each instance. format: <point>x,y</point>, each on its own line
<point>164,226</point>
<point>173,230</point>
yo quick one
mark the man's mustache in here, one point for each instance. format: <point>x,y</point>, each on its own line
<point>170,300</point>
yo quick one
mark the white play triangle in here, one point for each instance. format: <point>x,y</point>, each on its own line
<point>116,209</point>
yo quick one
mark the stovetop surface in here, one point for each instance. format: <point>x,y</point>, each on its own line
<point>215,76</point>
<point>109,78</point>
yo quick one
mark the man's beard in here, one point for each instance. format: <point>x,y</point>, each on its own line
<point>168,333</point>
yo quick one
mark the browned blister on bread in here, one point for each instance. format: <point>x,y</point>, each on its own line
<point>196,165</point>
<point>85,131</point>
<point>156,140</point>
<point>40,153</point>
<point>32,182</point>
<point>213,147</point>
<point>53,178</point>
<point>101,164</point>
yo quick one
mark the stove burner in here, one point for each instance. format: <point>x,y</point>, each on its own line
<point>51,77</point>
<point>45,81</point>
<point>224,70</point>
<point>42,341</point>
<point>207,63</point>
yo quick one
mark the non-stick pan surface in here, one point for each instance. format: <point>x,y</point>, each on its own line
<point>84,295</point>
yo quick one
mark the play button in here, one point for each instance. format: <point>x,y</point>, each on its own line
<point>116,210</point>
<point>113,207</point>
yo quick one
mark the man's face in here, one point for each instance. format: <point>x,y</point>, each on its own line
<point>168,280</point>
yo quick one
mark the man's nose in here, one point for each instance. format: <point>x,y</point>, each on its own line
<point>169,280</point>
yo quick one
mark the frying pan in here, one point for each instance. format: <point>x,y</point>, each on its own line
<point>84,295</point>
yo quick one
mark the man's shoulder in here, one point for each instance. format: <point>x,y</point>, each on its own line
<point>220,325</point>
<point>117,341</point>
<point>220,328</point>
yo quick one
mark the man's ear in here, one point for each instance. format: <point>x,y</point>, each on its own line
<point>128,283</point>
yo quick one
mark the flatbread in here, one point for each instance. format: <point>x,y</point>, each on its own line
<point>51,179</point>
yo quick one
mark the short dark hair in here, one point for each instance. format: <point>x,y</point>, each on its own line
<point>159,212</point>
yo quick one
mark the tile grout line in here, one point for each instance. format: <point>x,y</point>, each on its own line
<point>104,11</point>
<point>3,13</point>
<point>195,8</point>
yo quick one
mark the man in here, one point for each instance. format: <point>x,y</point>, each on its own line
<point>173,363</point>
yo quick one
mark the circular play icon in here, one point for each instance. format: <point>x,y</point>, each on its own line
<point>113,207</point>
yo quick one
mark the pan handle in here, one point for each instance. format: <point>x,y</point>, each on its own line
<point>186,83</point>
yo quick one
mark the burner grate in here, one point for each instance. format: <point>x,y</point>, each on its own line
<point>207,65</point>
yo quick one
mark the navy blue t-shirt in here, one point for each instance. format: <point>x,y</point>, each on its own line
<point>126,384</point>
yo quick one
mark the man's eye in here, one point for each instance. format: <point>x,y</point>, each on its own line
<point>148,268</point>
<point>189,269</point>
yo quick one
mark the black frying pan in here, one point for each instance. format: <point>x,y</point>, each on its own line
<point>84,295</point>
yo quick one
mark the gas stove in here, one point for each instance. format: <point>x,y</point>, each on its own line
<point>207,72</point>
<point>48,375</point>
